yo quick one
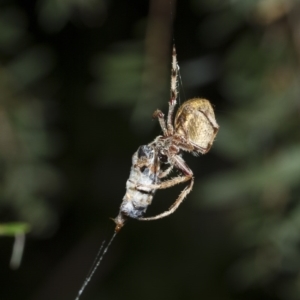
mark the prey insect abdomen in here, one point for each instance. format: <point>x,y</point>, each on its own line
<point>138,196</point>
<point>137,199</point>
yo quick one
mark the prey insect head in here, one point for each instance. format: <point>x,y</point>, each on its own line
<point>146,152</point>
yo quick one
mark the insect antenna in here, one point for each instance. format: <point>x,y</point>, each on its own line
<point>95,264</point>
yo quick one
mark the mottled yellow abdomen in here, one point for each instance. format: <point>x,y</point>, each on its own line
<point>195,121</point>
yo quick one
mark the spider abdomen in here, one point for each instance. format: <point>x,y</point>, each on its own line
<point>195,121</point>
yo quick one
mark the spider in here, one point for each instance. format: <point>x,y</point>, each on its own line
<point>193,130</point>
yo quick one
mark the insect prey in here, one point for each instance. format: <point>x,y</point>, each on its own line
<point>193,130</point>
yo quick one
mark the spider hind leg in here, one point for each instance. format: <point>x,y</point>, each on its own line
<point>188,176</point>
<point>175,205</point>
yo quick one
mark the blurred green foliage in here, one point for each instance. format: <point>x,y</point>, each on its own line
<point>13,228</point>
<point>78,84</point>
<point>260,139</point>
<point>111,88</point>
<point>24,144</point>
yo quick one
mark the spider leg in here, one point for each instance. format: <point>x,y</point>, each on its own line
<point>174,206</point>
<point>179,163</point>
<point>172,105</point>
<point>174,92</point>
<point>185,145</point>
<point>160,116</point>
<point>166,172</point>
<point>165,184</point>
<point>200,149</point>
<point>189,146</point>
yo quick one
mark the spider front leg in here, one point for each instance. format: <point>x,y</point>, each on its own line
<point>174,92</point>
<point>161,119</point>
<point>170,126</point>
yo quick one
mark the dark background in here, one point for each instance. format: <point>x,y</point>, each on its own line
<point>79,81</point>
